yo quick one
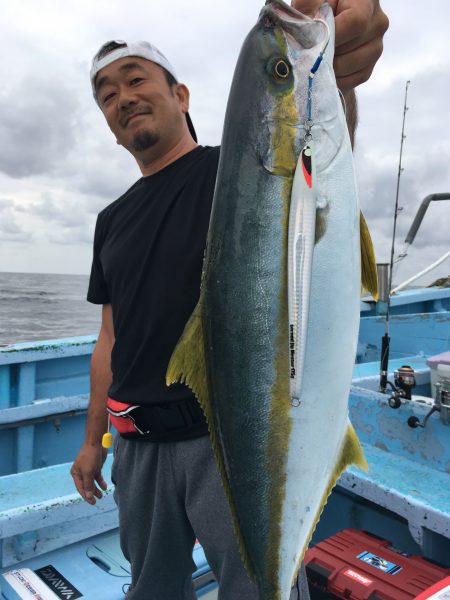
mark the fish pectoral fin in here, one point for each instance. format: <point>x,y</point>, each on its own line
<point>187,364</point>
<point>369,278</point>
<point>321,223</point>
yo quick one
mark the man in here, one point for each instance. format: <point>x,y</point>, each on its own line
<point>148,251</point>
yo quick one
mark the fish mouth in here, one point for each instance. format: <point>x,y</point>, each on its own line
<point>304,29</point>
<point>283,14</point>
<point>285,10</point>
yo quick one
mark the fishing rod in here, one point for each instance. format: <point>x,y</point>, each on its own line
<point>385,340</point>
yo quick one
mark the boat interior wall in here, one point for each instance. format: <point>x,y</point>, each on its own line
<point>408,474</point>
<point>415,334</point>
<point>385,429</point>
<point>43,398</point>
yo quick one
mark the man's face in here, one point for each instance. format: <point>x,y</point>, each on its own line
<point>140,107</point>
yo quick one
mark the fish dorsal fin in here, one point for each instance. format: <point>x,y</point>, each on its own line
<point>188,365</point>
<point>369,278</point>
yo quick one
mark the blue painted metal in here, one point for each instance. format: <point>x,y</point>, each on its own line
<point>5,386</point>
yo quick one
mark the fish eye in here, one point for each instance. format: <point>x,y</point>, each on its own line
<point>281,68</point>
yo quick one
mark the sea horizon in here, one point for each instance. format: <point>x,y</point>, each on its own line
<point>42,306</point>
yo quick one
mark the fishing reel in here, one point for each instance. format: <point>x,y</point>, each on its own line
<point>405,381</point>
<point>441,405</point>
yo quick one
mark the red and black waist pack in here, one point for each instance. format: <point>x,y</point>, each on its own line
<point>171,421</point>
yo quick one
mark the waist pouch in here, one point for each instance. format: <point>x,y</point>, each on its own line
<point>169,422</point>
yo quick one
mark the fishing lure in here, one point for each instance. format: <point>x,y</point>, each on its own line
<point>301,240</point>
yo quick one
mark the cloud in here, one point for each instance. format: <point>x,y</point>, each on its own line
<point>37,126</point>
<point>65,221</point>
<point>11,229</point>
<point>101,172</point>
<point>426,163</point>
<point>68,236</point>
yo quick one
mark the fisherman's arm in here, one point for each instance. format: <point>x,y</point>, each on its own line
<point>86,470</point>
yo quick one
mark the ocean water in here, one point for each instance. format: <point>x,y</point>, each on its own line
<point>36,306</point>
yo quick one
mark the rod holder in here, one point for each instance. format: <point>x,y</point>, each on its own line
<point>383,282</point>
<point>381,307</point>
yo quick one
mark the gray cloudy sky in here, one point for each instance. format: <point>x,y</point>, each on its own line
<point>59,164</point>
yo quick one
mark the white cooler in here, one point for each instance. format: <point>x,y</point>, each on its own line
<point>439,369</point>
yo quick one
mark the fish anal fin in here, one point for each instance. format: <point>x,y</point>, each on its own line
<point>369,278</point>
<point>188,366</point>
<point>352,452</point>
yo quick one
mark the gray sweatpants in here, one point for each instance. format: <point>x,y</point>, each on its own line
<point>168,494</point>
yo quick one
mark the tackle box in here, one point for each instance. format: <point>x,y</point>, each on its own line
<point>93,569</point>
<point>356,565</point>
<point>438,591</point>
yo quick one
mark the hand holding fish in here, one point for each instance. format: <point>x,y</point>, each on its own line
<point>360,27</point>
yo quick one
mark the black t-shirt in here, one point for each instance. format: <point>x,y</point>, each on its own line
<point>148,255</point>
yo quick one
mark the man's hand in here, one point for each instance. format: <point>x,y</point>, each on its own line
<point>360,27</point>
<point>87,470</point>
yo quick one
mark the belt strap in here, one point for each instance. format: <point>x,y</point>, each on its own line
<point>159,422</point>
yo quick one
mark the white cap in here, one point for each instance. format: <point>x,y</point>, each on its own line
<point>109,52</point>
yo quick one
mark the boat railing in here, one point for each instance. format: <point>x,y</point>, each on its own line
<point>410,236</point>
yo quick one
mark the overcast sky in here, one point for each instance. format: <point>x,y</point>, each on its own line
<point>59,164</point>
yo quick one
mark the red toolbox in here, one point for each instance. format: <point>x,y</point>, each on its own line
<point>355,565</point>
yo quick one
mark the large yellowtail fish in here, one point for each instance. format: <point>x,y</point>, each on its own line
<point>270,348</point>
